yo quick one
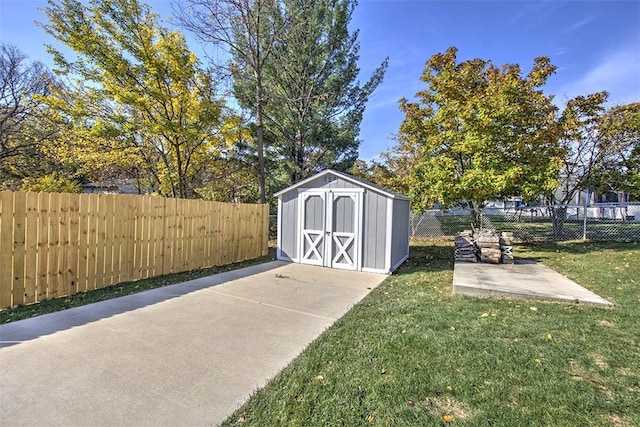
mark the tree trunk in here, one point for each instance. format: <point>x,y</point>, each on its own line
<point>297,155</point>
<point>558,216</point>
<point>261,172</point>
<point>476,217</point>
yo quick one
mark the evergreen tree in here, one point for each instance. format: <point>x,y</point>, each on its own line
<point>314,102</point>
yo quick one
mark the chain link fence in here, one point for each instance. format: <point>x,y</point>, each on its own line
<point>611,221</point>
<point>616,222</point>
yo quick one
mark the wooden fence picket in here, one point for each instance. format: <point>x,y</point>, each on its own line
<point>215,238</point>
<point>19,235</point>
<point>101,237</point>
<point>53,280</point>
<point>6,247</point>
<point>31,249</point>
<point>111,251</point>
<point>92,238</point>
<point>156,267</point>
<point>42,269</point>
<point>126,237</point>
<point>73,247</point>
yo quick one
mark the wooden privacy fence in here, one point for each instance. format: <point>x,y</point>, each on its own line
<point>53,244</point>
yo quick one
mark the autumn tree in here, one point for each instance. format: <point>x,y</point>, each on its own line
<point>244,29</point>
<point>480,132</point>
<point>140,86</point>
<point>316,102</point>
<point>379,173</point>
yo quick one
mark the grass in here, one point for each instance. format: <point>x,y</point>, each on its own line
<point>411,353</point>
<point>49,306</point>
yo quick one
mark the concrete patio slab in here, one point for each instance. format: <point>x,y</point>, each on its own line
<point>525,279</point>
<point>183,355</point>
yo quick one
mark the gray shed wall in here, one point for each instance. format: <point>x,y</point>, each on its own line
<point>288,225</point>
<point>330,182</point>
<point>400,230</point>
<point>374,240</point>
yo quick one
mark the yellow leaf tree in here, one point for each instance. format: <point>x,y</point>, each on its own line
<point>140,99</point>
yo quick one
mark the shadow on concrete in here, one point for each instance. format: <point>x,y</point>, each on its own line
<point>28,329</point>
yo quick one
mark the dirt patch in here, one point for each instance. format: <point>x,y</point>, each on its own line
<point>625,372</point>
<point>616,421</point>
<point>579,373</point>
<point>605,323</point>
<point>448,406</point>
<point>599,361</point>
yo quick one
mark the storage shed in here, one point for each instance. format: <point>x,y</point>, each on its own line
<point>336,220</point>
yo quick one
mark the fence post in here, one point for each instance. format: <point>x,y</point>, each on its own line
<point>584,224</point>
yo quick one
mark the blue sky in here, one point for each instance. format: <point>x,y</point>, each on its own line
<point>594,44</point>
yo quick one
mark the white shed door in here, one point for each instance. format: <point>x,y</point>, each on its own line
<point>329,225</point>
<point>312,228</point>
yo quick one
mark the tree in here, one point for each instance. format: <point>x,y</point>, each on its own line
<point>580,141</point>
<point>22,127</point>
<point>600,149</point>
<point>245,29</point>
<point>140,88</point>
<point>620,141</point>
<point>236,175</point>
<point>51,183</point>
<point>381,174</point>
<point>315,104</point>
<point>479,133</point>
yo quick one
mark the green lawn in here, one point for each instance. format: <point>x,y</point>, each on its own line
<point>411,353</point>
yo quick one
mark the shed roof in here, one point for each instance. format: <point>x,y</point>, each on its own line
<point>354,180</point>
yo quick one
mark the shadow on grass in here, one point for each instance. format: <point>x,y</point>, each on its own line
<point>428,255</point>
<point>79,299</point>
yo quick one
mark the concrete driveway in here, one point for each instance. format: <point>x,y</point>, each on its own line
<point>183,355</point>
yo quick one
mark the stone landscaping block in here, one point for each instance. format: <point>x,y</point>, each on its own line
<point>465,247</point>
<point>490,255</point>
<point>487,246</point>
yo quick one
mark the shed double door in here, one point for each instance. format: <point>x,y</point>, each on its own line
<point>329,228</point>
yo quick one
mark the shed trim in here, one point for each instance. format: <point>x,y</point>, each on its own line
<point>346,177</point>
<point>360,236</point>
<point>301,229</point>
<point>389,235</point>
<point>375,270</point>
<point>330,190</point>
<point>279,230</point>
<point>404,258</point>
